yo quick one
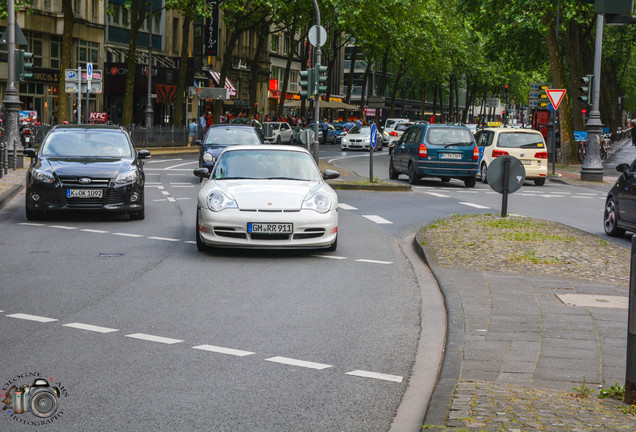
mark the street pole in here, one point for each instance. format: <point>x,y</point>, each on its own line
<point>592,168</point>
<point>149,111</point>
<point>11,100</point>
<point>79,95</point>
<point>316,84</point>
<point>630,369</point>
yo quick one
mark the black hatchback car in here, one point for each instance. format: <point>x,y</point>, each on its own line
<point>220,136</point>
<point>85,167</point>
<point>620,205</point>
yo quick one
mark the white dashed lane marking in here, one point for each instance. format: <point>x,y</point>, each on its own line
<point>152,338</point>
<point>346,206</point>
<point>473,205</point>
<point>95,231</point>
<point>32,317</point>
<point>164,239</point>
<point>374,261</point>
<point>375,375</point>
<point>210,348</point>
<point>128,235</point>
<point>333,257</point>
<point>90,327</point>
<point>62,227</point>
<point>299,363</point>
<point>222,350</point>
<point>377,219</point>
<point>438,195</point>
<point>164,160</point>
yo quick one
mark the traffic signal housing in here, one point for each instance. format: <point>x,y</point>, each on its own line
<point>321,72</point>
<point>27,72</point>
<point>586,89</point>
<point>306,83</point>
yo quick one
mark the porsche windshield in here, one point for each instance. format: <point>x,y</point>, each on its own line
<point>266,165</point>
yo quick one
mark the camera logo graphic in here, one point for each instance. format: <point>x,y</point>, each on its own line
<point>40,399</point>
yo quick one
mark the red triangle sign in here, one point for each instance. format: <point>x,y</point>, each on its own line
<point>555,96</point>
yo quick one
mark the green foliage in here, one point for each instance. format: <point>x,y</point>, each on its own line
<point>615,392</point>
<point>582,392</point>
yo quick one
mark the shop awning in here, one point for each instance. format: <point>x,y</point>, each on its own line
<point>324,104</point>
<point>141,56</point>
<point>216,76</point>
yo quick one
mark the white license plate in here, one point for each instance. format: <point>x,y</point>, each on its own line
<point>270,228</point>
<point>450,155</point>
<point>84,193</point>
<point>526,162</point>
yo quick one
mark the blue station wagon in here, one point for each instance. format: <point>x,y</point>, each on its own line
<point>436,150</point>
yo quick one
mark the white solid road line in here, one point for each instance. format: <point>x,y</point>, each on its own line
<point>377,219</point>
<point>152,338</point>
<point>90,327</point>
<point>222,350</point>
<point>473,205</point>
<point>375,375</point>
<point>164,160</point>
<point>300,363</point>
<point>346,206</point>
<point>31,317</point>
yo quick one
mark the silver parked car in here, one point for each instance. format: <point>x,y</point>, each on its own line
<point>278,132</point>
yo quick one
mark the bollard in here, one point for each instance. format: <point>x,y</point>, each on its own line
<point>506,187</point>
<point>2,145</point>
<point>630,368</point>
<point>15,154</point>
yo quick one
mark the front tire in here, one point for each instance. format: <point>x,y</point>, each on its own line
<point>483,172</point>
<point>278,140</point>
<point>610,219</point>
<point>334,245</point>
<point>393,175</point>
<point>201,246</point>
<point>470,182</point>
<point>539,182</point>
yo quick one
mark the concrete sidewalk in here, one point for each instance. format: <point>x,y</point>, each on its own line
<point>517,346</point>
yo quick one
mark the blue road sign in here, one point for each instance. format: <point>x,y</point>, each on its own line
<point>374,135</point>
<point>551,107</point>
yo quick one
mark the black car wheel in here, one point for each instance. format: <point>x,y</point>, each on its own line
<point>484,171</point>
<point>278,140</point>
<point>539,181</point>
<point>470,182</point>
<point>610,219</point>
<point>445,179</point>
<point>201,246</point>
<point>334,245</point>
<point>413,177</point>
<point>393,175</point>
<point>141,214</point>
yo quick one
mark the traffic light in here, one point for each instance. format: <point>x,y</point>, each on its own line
<point>321,72</point>
<point>585,89</point>
<point>27,73</point>
<point>307,83</point>
<point>19,64</point>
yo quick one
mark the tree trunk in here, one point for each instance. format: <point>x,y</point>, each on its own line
<point>352,66</point>
<point>385,65</point>
<point>367,71</point>
<point>65,63</point>
<point>423,109</point>
<point>136,19</point>
<point>398,78</point>
<point>434,100</point>
<point>290,58</point>
<point>259,52</point>
<point>451,95</point>
<point>558,77</point>
<point>183,70</point>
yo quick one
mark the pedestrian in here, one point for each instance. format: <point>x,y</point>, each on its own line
<point>325,130</point>
<point>208,120</point>
<point>192,131</point>
<point>358,122</point>
<point>202,122</point>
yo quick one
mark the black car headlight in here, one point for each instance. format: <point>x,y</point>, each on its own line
<point>127,177</point>
<point>43,176</point>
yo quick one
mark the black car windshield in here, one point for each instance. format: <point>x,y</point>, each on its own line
<point>520,140</point>
<point>265,165</point>
<point>450,136</point>
<point>227,136</point>
<point>87,143</point>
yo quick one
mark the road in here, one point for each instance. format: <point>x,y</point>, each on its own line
<point>141,329</point>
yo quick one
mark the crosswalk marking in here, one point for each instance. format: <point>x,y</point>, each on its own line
<point>377,219</point>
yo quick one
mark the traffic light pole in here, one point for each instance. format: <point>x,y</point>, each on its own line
<point>316,84</point>
<point>11,100</point>
<point>592,168</point>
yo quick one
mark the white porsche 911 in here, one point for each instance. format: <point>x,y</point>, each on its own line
<point>267,197</point>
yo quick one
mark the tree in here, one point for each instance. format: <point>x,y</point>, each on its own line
<point>65,61</point>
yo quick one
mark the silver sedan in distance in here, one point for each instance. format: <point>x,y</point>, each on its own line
<point>266,197</point>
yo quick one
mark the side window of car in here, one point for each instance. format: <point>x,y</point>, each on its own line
<point>416,137</point>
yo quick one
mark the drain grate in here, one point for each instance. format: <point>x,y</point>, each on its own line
<point>592,300</point>
<point>109,255</point>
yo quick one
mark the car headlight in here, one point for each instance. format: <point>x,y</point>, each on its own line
<point>320,202</point>
<point>367,141</point>
<point>207,157</point>
<point>345,140</point>
<point>127,177</point>
<point>217,201</point>
<point>43,176</point>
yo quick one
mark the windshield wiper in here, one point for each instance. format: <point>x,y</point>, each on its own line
<point>283,178</point>
<point>529,145</point>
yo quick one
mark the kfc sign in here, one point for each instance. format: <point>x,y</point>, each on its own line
<point>98,117</point>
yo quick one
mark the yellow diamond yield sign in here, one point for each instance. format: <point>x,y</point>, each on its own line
<point>555,96</point>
